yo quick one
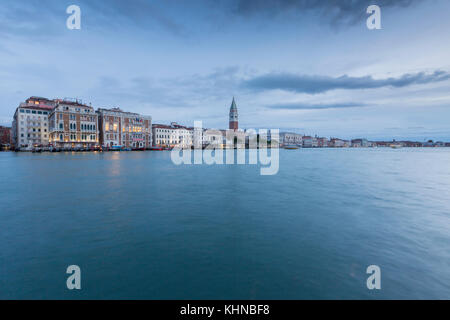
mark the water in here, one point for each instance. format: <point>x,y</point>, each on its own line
<point>142,228</point>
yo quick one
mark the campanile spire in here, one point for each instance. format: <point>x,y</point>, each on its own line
<point>233,124</point>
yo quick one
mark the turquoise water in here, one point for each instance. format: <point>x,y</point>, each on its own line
<point>140,227</point>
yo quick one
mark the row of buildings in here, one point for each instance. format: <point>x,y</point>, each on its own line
<point>70,124</point>
<point>64,123</point>
<point>289,138</point>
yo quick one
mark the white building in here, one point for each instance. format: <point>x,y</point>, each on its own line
<point>310,142</point>
<point>172,135</point>
<point>30,126</point>
<point>289,138</point>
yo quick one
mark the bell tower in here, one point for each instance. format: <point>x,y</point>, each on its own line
<point>233,116</point>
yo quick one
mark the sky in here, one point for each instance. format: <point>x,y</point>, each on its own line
<point>308,66</point>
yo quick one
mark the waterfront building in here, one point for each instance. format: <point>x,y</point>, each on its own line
<point>234,118</point>
<point>411,144</point>
<point>172,135</point>
<point>124,129</point>
<point>359,143</point>
<point>73,125</point>
<point>5,136</point>
<point>30,127</point>
<point>322,142</point>
<point>289,138</point>
<point>336,143</point>
<point>215,138</point>
<point>310,142</point>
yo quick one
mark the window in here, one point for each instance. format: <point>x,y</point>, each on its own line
<point>22,111</point>
<point>61,126</point>
<point>33,112</point>
<point>39,112</point>
<point>28,111</point>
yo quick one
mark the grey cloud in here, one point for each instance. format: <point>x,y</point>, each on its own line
<point>305,106</point>
<point>334,11</point>
<point>320,84</point>
<point>174,92</point>
<point>140,13</point>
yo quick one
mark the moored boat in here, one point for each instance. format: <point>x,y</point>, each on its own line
<point>155,148</point>
<point>291,147</point>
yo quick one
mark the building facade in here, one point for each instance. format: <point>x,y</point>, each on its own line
<point>5,136</point>
<point>30,127</point>
<point>336,143</point>
<point>172,135</point>
<point>124,129</point>
<point>360,143</point>
<point>289,138</point>
<point>322,142</point>
<point>73,124</point>
<point>310,142</point>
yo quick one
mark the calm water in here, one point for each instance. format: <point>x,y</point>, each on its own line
<point>140,227</point>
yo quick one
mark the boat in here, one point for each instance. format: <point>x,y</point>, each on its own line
<point>396,146</point>
<point>115,148</point>
<point>291,147</point>
<point>155,148</point>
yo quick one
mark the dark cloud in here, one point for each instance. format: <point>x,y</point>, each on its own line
<point>334,11</point>
<point>320,84</point>
<point>305,106</point>
<point>141,13</point>
<point>46,18</point>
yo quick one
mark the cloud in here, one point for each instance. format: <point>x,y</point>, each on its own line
<point>188,91</point>
<point>306,106</point>
<point>47,18</point>
<point>335,12</point>
<point>141,13</point>
<point>319,84</point>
